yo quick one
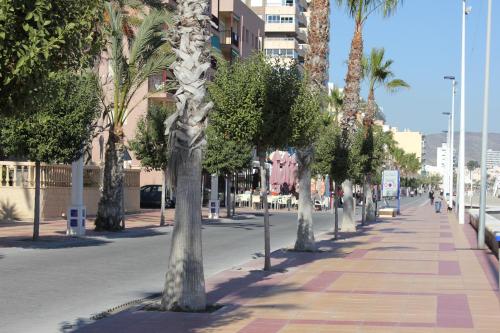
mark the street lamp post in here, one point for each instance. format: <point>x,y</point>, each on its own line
<point>461,148</point>
<point>446,178</point>
<point>484,148</point>
<point>452,140</point>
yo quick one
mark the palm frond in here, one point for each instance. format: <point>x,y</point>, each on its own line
<point>150,35</point>
<point>396,84</point>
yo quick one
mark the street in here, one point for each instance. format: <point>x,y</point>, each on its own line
<point>44,290</point>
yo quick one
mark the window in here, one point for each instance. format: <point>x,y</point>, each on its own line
<point>279,19</point>
<point>273,19</point>
<point>286,53</point>
<point>246,35</point>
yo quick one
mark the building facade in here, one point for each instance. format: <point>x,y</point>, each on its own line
<point>236,31</point>
<point>411,142</point>
<point>286,24</point>
<point>492,158</point>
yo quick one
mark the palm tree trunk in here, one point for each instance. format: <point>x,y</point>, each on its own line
<point>348,221</point>
<point>370,207</point>
<point>263,193</point>
<point>185,284</point>
<point>110,210</point>
<point>353,80</point>
<point>363,202</point>
<point>305,232</point>
<point>163,196</point>
<point>36,217</point>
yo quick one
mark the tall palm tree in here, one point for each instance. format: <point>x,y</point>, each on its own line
<point>132,61</point>
<point>184,283</point>
<point>377,71</point>
<point>316,64</point>
<point>359,10</point>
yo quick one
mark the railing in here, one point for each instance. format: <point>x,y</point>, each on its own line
<point>156,83</point>
<point>235,39</point>
<point>22,174</point>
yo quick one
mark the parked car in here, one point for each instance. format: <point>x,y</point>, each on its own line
<point>151,197</point>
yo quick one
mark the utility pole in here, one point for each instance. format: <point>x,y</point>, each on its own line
<point>461,149</point>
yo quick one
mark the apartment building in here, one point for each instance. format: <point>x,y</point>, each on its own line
<point>236,31</point>
<point>411,142</point>
<point>285,27</point>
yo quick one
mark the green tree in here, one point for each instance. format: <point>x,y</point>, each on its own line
<point>132,63</point>
<point>235,92</point>
<point>55,125</point>
<point>184,282</point>
<point>151,145</point>
<point>40,37</point>
<point>250,98</point>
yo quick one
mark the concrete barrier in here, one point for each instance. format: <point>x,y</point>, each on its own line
<point>492,228</point>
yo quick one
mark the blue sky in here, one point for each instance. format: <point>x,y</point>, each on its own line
<point>424,40</point>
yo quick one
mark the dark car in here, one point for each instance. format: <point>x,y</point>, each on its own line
<point>151,197</point>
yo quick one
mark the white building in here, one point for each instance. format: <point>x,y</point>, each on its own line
<point>492,158</point>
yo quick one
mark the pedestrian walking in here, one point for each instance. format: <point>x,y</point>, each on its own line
<point>438,201</point>
<point>431,197</point>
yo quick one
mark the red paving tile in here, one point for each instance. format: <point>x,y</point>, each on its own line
<point>420,276</point>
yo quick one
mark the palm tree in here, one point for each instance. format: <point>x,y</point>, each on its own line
<point>359,10</point>
<point>336,100</point>
<point>471,166</point>
<point>377,71</point>
<point>316,64</point>
<point>184,283</point>
<point>132,61</point>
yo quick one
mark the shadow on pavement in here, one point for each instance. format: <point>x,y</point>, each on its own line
<point>50,242</point>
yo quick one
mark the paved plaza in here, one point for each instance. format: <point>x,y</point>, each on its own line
<point>418,272</point>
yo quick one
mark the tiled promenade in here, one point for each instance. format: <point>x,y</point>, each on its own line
<point>415,273</point>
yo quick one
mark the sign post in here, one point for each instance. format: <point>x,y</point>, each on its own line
<point>391,186</point>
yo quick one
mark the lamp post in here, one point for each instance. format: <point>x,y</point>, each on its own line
<point>452,140</point>
<point>446,178</point>
<point>461,147</point>
<point>484,148</point>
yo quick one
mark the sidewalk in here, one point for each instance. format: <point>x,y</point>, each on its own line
<point>414,273</point>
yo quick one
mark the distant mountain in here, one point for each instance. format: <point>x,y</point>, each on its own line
<point>472,145</point>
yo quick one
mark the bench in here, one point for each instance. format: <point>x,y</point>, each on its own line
<point>387,212</point>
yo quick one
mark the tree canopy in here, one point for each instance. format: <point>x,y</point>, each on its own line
<point>57,120</point>
<point>41,37</point>
<point>150,143</point>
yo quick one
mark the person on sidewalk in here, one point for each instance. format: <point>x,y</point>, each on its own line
<point>431,196</point>
<point>438,202</point>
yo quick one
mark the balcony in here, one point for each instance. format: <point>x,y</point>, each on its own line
<point>302,36</point>
<point>281,43</point>
<point>157,85</point>
<point>302,49</point>
<point>302,20</point>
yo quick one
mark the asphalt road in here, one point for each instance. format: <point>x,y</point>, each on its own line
<point>45,289</point>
